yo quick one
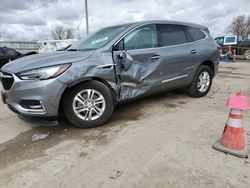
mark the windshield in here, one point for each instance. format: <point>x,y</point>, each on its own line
<point>98,39</point>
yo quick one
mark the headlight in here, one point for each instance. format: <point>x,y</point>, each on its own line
<point>43,73</point>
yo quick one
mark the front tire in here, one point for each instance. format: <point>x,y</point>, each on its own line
<point>202,82</point>
<point>89,104</point>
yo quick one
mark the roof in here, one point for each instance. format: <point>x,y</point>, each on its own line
<point>161,22</point>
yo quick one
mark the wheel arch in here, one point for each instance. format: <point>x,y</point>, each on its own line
<point>209,64</point>
<point>80,81</point>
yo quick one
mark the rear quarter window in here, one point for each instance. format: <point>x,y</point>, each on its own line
<point>170,35</point>
<point>195,33</point>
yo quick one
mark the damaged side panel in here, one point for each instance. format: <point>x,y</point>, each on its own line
<point>150,71</point>
<point>141,76</point>
<point>100,67</point>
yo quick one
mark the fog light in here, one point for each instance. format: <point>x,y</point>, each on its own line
<point>31,104</point>
<point>35,106</point>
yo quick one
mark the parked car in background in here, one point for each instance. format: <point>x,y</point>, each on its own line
<point>9,54</point>
<point>233,42</point>
<point>114,65</point>
<point>21,46</point>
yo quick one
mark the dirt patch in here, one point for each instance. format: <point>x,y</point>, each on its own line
<point>231,76</point>
<point>176,178</point>
<point>133,110</point>
<point>181,102</point>
<point>22,147</point>
<point>170,105</point>
<point>127,112</point>
<point>230,68</point>
<point>233,73</point>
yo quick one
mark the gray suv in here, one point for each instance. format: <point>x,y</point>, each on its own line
<point>115,64</point>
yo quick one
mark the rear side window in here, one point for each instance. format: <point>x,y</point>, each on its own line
<point>195,33</point>
<point>171,35</point>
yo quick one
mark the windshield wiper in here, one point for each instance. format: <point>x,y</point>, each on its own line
<point>74,50</point>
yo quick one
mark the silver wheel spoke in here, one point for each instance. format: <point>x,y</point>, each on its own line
<point>89,104</point>
<point>90,114</point>
<point>80,99</point>
<point>99,100</point>
<point>80,109</point>
<point>90,94</point>
<point>202,87</point>
<point>204,82</point>
<point>98,110</point>
<point>86,115</point>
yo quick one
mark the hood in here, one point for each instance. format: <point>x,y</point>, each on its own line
<point>45,59</point>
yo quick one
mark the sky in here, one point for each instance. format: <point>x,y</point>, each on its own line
<point>35,19</point>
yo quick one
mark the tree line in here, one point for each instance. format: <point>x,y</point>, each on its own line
<point>240,26</point>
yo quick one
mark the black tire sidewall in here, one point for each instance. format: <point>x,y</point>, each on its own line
<point>72,92</point>
<point>194,91</point>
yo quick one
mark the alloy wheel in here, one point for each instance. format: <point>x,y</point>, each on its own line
<point>204,81</point>
<point>89,104</point>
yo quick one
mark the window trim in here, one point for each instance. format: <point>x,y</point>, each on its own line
<point>122,37</point>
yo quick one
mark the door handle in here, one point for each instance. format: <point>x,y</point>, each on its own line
<point>155,57</point>
<point>193,51</point>
<point>105,66</point>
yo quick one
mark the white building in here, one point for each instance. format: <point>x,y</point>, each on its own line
<point>53,45</point>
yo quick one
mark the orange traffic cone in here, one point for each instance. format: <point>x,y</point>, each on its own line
<point>233,138</point>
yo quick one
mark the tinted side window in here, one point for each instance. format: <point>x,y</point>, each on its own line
<point>141,38</point>
<point>171,35</point>
<point>195,33</point>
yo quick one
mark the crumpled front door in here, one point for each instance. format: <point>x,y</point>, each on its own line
<point>139,74</point>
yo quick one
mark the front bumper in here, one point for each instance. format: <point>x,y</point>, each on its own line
<point>43,95</point>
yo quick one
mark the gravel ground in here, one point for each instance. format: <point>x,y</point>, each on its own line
<point>159,141</point>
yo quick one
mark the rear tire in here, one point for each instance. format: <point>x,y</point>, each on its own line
<point>247,54</point>
<point>202,82</point>
<point>89,104</point>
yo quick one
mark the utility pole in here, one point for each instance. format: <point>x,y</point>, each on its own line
<point>87,17</point>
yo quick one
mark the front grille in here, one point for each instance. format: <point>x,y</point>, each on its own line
<point>7,80</point>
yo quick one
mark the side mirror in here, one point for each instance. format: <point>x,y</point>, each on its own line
<point>125,59</point>
<point>122,56</point>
